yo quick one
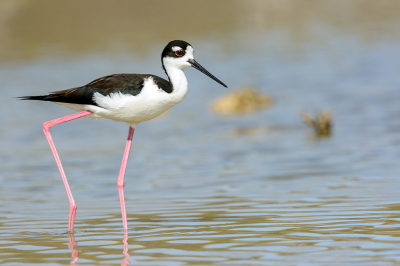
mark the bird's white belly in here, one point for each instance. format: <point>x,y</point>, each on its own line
<point>148,104</point>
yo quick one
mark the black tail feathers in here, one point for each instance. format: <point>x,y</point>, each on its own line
<point>39,98</point>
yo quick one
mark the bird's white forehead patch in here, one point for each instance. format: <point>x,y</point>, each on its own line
<point>176,48</point>
<point>189,49</point>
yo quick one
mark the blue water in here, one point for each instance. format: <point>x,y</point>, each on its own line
<point>206,189</point>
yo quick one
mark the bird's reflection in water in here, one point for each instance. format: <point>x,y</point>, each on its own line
<point>75,253</point>
<point>125,260</point>
<point>71,246</point>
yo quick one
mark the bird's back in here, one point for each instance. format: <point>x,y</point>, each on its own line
<point>129,84</point>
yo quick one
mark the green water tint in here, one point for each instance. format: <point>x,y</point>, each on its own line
<point>220,230</point>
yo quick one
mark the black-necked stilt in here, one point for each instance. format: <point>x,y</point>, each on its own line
<point>131,98</point>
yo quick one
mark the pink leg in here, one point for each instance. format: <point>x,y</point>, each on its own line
<point>46,129</point>
<point>120,181</point>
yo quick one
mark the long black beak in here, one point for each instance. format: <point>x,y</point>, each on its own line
<point>197,66</point>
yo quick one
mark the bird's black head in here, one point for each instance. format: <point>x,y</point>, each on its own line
<point>178,55</point>
<point>172,47</point>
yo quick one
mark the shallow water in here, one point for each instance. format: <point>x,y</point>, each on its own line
<point>206,189</point>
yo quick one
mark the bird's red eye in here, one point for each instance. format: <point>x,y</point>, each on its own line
<point>179,52</point>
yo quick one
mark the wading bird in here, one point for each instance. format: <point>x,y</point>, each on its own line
<point>130,98</point>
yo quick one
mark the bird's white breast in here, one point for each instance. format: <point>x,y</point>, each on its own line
<point>148,104</point>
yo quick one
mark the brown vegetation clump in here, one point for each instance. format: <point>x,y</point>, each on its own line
<point>322,123</point>
<point>242,101</point>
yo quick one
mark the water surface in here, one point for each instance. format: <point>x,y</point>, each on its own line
<point>203,189</point>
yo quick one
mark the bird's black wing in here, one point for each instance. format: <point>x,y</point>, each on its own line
<point>125,83</point>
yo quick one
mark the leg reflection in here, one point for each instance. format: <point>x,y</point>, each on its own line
<point>75,253</point>
<point>71,246</point>
<point>125,261</point>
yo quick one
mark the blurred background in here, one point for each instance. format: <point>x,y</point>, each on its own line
<point>257,187</point>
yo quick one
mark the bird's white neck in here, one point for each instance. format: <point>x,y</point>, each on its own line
<point>179,82</point>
